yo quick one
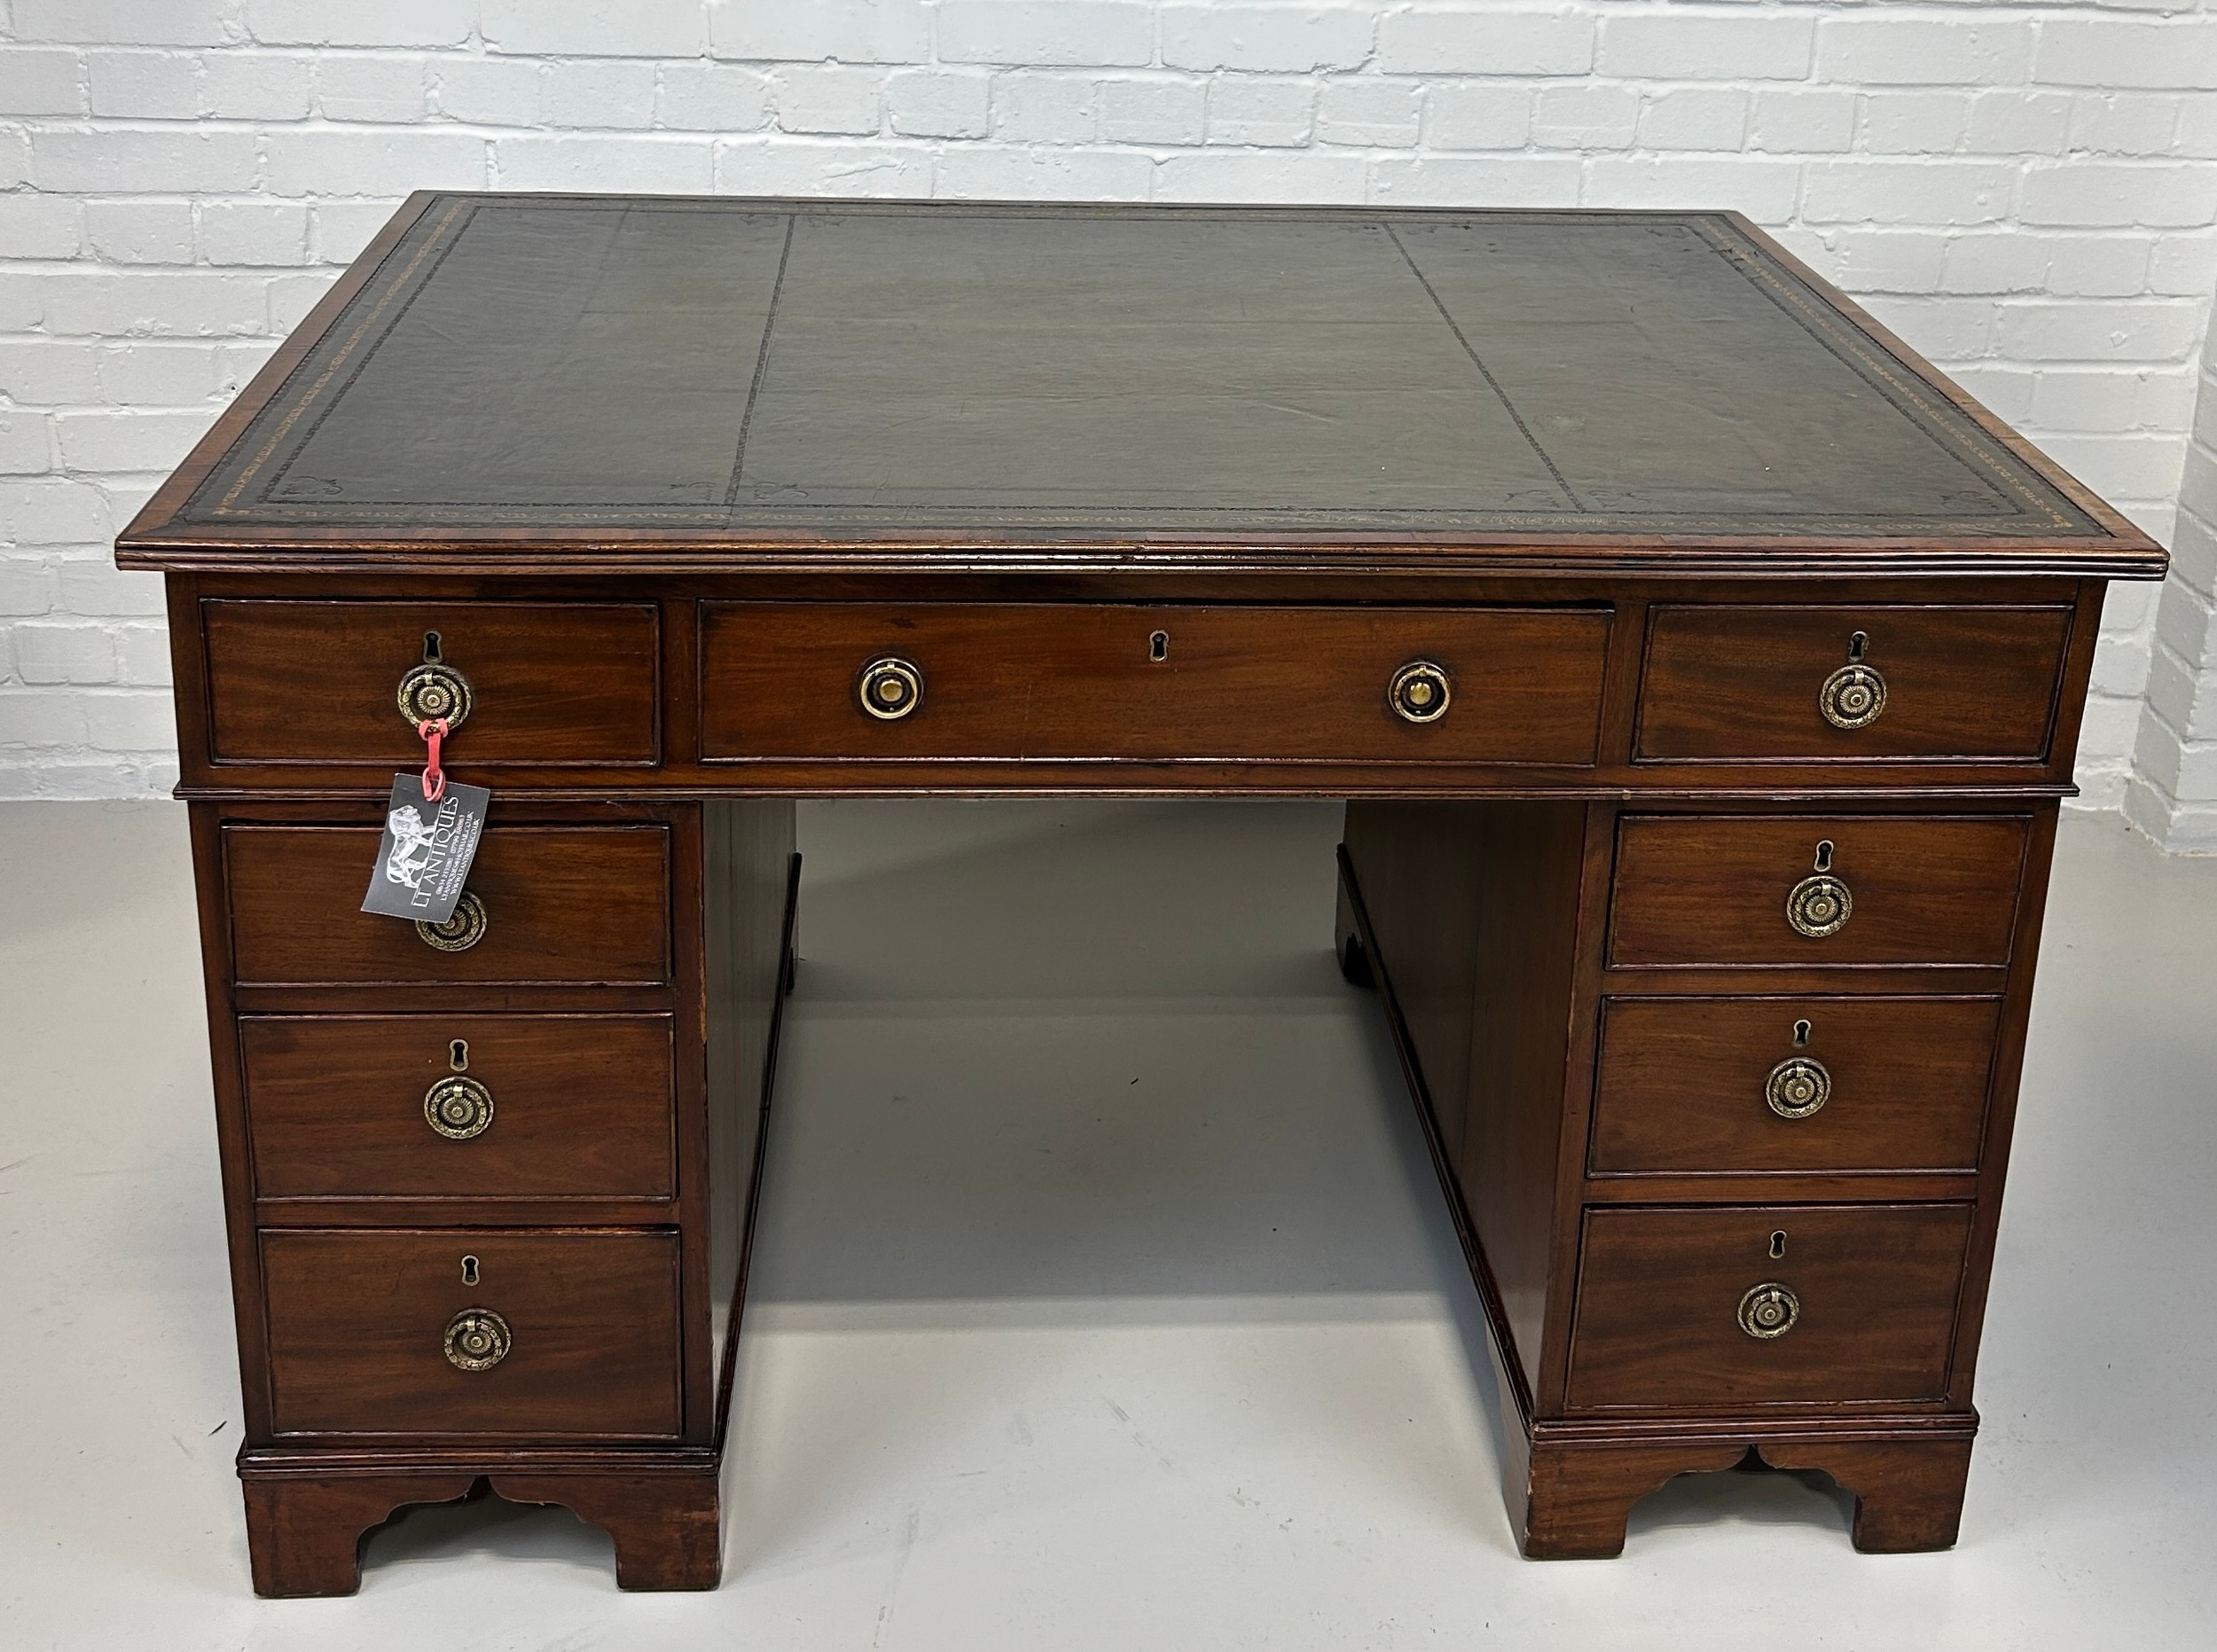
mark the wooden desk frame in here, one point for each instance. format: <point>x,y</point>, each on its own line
<point>1487,900</point>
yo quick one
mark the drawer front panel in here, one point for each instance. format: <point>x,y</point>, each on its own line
<point>1965,682</point>
<point>316,682</point>
<point>1661,1294</point>
<point>1694,889</point>
<point>359,1322</point>
<point>1685,1084</point>
<point>575,1107</point>
<point>1055,681</point>
<point>563,905</point>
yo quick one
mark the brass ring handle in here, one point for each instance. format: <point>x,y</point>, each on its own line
<point>463,928</point>
<point>1768,1311</point>
<point>476,1340</point>
<point>1798,1086</point>
<point>890,688</point>
<point>1853,696</point>
<point>1420,692</point>
<point>431,691</point>
<point>1819,906</point>
<point>459,1108</point>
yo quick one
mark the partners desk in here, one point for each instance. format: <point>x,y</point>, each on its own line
<point>1703,671</point>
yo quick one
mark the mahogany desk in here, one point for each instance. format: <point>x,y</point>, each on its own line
<point>1702,669</point>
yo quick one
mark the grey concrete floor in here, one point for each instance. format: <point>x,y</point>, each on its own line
<point>1104,1299</point>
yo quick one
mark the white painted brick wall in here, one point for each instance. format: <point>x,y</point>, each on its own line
<point>2026,192</point>
<point>2172,792</point>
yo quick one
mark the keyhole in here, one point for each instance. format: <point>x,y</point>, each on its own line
<point>1778,1245</point>
<point>457,1055</point>
<point>1158,647</point>
<point>1802,1030</point>
<point>1856,644</point>
<point>469,1265</point>
<point>1824,855</point>
<point>431,649</point>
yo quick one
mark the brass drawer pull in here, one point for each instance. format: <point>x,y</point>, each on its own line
<point>1798,1086</point>
<point>434,690</point>
<point>463,929</point>
<point>890,688</point>
<point>1768,1311</point>
<point>1852,696</point>
<point>460,1109</point>
<point>1420,692</point>
<point>1818,907</point>
<point>476,1340</point>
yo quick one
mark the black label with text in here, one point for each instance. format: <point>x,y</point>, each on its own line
<point>427,849</point>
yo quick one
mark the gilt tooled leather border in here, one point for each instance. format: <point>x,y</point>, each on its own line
<point>236,490</point>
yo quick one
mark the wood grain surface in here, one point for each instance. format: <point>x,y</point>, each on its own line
<point>582,1106</point>
<point>1742,681</point>
<point>1679,1086</point>
<point>551,682</point>
<point>1659,1292</point>
<point>359,1319</point>
<point>1712,890</point>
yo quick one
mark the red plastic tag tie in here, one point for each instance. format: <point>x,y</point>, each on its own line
<point>433,730</point>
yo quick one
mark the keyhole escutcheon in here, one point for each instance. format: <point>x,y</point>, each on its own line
<point>469,1268</point>
<point>1778,1245</point>
<point>1158,647</point>
<point>458,1056</point>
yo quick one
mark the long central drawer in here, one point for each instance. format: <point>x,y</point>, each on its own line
<point>1055,680</point>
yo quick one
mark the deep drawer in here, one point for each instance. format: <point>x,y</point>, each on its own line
<point>563,905</point>
<point>1662,1293</point>
<point>544,1106</point>
<point>360,1321</point>
<point>1967,683</point>
<point>1693,1085</point>
<point>1072,681</point>
<point>1696,889</point>
<point>550,683</point>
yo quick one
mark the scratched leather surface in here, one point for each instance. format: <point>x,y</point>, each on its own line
<point>1083,371</point>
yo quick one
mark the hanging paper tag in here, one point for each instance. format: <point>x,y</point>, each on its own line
<point>425,853</point>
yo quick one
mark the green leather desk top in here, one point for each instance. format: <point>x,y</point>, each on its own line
<point>558,370</point>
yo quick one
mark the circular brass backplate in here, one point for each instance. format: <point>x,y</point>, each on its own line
<point>890,688</point>
<point>462,930</point>
<point>1853,696</point>
<point>1819,906</point>
<point>459,1108</point>
<point>1418,691</point>
<point>429,693</point>
<point>1798,1086</point>
<point>1768,1311</point>
<point>476,1340</point>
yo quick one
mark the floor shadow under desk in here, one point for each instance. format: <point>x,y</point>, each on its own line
<point>1076,1063</point>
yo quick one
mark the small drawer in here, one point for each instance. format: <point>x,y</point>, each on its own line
<point>562,905</point>
<point>564,1332</point>
<point>1050,680</point>
<point>1731,1309</point>
<point>460,1106</point>
<point>547,684</point>
<point>1815,889</point>
<point>1810,1085</point>
<point>1831,685</point>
